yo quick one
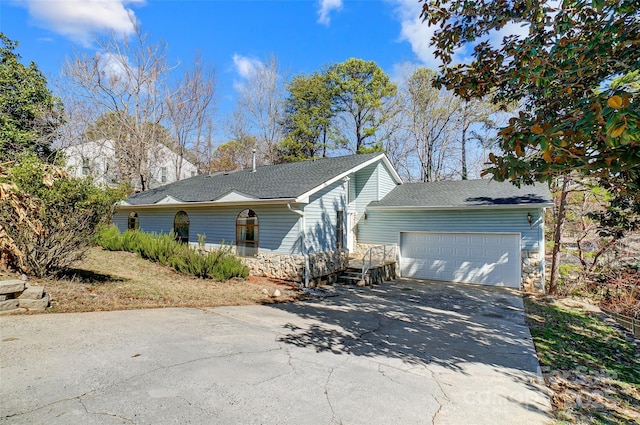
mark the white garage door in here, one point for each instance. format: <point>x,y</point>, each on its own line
<point>485,258</point>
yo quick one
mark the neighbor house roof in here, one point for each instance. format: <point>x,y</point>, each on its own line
<point>292,181</point>
<point>464,194</point>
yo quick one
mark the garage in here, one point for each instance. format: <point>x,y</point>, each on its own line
<point>483,258</point>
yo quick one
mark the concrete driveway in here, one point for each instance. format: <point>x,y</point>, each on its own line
<point>406,352</point>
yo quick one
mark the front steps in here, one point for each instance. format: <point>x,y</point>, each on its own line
<point>352,276</point>
<point>376,274</point>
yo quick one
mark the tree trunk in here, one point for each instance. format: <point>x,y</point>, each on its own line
<point>464,153</point>
<point>557,236</point>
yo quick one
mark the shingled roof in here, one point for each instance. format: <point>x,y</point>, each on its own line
<point>283,181</point>
<point>464,194</point>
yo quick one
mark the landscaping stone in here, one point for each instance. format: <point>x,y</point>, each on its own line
<point>32,304</point>
<point>8,305</point>
<point>11,286</point>
<point>32,293</point>
<point>19,296</point>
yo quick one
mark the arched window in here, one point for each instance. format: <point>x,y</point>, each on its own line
<point>247,233</point>
<point>133,223</point>
<point>181,227</point>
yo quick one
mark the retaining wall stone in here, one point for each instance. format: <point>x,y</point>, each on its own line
<point>18,295</point>
<point>11,286</point>
<point>532,276</point>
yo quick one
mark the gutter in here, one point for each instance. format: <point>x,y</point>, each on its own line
<point>276,201</point>
<point>460,207</point>
<point>304,243</point>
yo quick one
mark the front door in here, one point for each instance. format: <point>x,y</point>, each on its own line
<point>350,230</point>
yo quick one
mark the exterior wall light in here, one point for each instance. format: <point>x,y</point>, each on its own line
<point>529,218</point>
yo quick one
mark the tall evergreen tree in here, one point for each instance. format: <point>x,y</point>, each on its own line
<point>307,118</point>
<point>29,114</point>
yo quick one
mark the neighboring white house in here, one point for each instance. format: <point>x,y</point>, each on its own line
<point>98,159</point>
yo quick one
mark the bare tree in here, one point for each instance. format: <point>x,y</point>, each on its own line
<point>189,106</point>
<point>430,123</point>
<point>260,107</point>
<point>397,141</point>
<point>125,79</point>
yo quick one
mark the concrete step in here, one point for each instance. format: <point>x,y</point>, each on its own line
<point>351,280</point>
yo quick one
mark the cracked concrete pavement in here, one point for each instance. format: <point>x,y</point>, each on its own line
<point>405,352</point>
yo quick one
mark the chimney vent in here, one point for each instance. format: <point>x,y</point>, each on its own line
<point>253,170</point>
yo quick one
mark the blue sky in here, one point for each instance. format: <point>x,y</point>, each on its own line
<point>304,35</point>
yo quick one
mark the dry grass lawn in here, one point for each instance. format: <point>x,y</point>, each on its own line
<point>107,280</point>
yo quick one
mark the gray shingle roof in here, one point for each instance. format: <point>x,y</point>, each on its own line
<point>268,182</point>
<point>464,193</point>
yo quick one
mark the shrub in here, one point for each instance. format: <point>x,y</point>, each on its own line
<point>48,219</point>
<point>109,238</point>
<point>220,264</point>
<point>157,247</point>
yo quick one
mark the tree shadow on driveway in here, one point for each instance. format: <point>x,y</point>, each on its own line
<point>421,323</point>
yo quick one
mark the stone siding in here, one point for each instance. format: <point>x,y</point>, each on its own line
<point>326,263</point>
<point>532,276</point>
<point>291,266</point>
<point>277,266</point>
<point>359,249</point>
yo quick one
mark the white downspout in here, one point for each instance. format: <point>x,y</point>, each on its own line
<point>304,244</point>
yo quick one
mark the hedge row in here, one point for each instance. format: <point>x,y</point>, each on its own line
<point>220,264</point>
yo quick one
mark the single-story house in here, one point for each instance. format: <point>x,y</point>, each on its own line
<point>301,220</point>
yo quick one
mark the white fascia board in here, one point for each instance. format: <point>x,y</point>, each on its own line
<point>304,198</point>
<point>460,207</point>
<point>277,201</point>
<point>394,173</point>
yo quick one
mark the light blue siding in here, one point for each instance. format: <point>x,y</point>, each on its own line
<point>372,183</point>
<point>277,226</point>
<point>320,216</point>
<point>366,187</point>
<point>386,182</point>
<point>353,198</point>
<point>119,219</point>
<point>384,227</point>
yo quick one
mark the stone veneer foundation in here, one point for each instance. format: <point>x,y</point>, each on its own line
<point>291,266</point>
<point>532,276</point>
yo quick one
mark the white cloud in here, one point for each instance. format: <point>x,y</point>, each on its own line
<point>418,34</point>
<point>246,66</point>
<point>79,19</point>
<point>116,67</point>
<point>326,6</point>
<point>415,32</point>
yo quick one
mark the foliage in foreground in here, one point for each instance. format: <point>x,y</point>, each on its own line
<point>574,114</point>
<point>48,218</point>
<point>591,368</point>
<point>219,264</point>
<point>29,114</point>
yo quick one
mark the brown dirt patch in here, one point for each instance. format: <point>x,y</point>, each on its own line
<point>107,280</point>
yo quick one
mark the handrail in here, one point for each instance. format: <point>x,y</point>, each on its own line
<point>388,251</point>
